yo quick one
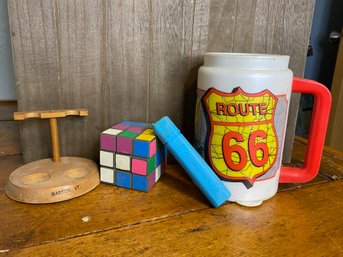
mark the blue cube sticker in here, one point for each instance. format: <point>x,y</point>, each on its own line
<point>140,182</point>
<point>123,179</point>
<point>141,148</point>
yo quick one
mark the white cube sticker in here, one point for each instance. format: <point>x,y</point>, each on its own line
<point>107,175</point>
<point>123,162</point>
<point>158,172</point>
<point>106,159</point>
<point>112,131</point>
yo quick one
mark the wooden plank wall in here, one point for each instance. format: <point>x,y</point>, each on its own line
<point>134,60</point>
<point>334,137</point>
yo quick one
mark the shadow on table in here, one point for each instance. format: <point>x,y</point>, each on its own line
<point>176,179</point>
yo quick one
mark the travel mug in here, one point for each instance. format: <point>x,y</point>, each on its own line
<point>240,123</point>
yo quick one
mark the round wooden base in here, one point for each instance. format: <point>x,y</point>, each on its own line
<point>45,181</point>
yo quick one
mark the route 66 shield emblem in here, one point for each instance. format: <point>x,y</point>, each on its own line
<point>241,144</point>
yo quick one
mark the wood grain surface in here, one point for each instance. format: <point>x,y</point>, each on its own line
<point>135,60</point>
<point>175,219</point>
<point>9,138</point>
<point>49,114</point>
<point>271,230</point>
<point>126,33</point>
<point>6,110</point>
<point>108,207</point>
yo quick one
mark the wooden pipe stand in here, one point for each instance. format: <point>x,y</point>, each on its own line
<point>52,180</point>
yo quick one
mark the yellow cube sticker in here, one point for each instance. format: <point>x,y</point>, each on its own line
<point>145,137</point>
<point>149,132</point>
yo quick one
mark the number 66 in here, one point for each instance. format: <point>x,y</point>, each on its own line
<point>253,147</point>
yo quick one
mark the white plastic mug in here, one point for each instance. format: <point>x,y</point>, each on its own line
<point>240,123</point>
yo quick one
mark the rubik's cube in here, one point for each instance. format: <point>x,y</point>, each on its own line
<point>131,156</point>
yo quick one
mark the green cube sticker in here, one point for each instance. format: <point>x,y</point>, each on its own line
<point>151,164</point>
<point>128,134</point>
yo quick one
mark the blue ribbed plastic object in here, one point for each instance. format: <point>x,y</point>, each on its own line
<point>202,175</point>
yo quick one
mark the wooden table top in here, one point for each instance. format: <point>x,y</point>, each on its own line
<point>174,219</point>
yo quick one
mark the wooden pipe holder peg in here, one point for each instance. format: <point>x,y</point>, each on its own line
<point>54,140</point>
<point>56,179</point>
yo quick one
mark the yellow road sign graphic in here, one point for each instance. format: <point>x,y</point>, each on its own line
<point>242,143</point>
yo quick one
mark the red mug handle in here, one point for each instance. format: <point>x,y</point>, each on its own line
<point>319,121</point>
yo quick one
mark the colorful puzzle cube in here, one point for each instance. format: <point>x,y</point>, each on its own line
<point>131,156</point>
